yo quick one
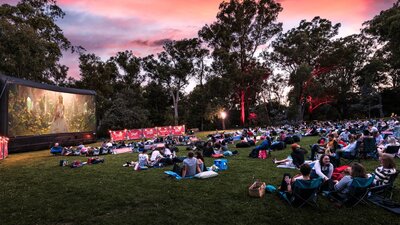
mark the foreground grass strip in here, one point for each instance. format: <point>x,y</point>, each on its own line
<point>35,190</point>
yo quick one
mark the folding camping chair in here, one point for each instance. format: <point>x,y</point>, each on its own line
<point>304,192</point>
<point>349,158</point>
<point>392,150</point>
<point>359,190</point>
<point>368,149</point>
<point>385,190</point>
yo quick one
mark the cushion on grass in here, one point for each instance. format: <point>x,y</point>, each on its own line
<point>206,174</point>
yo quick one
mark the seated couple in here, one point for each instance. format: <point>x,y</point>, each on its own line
<point>145,161</point>
<point>192,165</point>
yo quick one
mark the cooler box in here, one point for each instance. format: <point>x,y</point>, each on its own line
<point>222,164</point>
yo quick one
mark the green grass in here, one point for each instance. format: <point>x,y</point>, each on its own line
<point>35,190</point>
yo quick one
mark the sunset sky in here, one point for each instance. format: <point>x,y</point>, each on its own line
<point>105,27</point>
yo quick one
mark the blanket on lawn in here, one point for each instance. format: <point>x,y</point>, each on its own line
<point>121,150</point>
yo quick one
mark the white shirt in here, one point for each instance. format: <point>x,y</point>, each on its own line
<point>154,155</point>
<point>143,159</point>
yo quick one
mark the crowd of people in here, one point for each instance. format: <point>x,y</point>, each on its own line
<point>337,140</point>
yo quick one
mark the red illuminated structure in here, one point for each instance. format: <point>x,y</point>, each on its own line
<point>315,102</point>
<point>3,147</point>
<point>248,84</point>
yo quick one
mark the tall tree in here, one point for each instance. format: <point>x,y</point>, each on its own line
<point>172,68</point>
<point>31,43</point>
<point>242,27</point>
<point>301,52</point>
<point>386,28</point>
<point>101,77</point>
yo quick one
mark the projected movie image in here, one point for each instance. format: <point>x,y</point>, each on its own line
<point>34,111</point>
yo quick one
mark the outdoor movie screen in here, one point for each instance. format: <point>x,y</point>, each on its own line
<point>35,111</point>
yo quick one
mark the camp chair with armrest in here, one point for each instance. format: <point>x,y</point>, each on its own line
<point>304,192</point>
<point>385,190</point>
<point>368,149</point>
<point>359,189</point>
<point>392,150</point>
<point>349,158</point>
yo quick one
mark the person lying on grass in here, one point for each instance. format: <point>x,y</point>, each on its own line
<point>296,158</point>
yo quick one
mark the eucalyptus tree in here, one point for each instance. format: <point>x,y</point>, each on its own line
<point>385,27</point>
<point>31,42</point>
<point>300,52</point>
<point>235,38</point>
<point>173,67</point>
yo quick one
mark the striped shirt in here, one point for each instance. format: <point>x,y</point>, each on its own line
<point>382,175</point>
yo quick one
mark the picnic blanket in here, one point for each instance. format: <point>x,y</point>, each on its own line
<point>122,150</point>
<point>387,204</point>
<point>175,175</point>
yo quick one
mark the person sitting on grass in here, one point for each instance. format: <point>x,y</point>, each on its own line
<point>56,149</point>
<point>342,187</point>
<point>286,184</point>
<point>329,146</point>
<point>323,168</point>
<point>190,166</point>
<point>208,149</point>
<point>349,150</point>
<point>143,159</point>
<point>385,171</point>
<point>391,141</point>
<point>296,158</point>
<point>155,157</point>
<point>200,161</point>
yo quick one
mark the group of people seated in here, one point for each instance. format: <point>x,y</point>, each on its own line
<point>370,143</point>
<point>216,149</point>
<point>324,169</point>
<point>81,149</point>
<point>159,157</point>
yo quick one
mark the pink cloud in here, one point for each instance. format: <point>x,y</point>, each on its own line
<point>351,14</point>
<point>105,27</point>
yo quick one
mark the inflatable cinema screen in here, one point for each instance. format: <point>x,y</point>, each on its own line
<point>34,115</point>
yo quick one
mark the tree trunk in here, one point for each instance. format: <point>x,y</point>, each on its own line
<point>242,113</point>
<point>380,105</point>
<point>175,100</point>
<point>266,110</point>
<point>300,112</point>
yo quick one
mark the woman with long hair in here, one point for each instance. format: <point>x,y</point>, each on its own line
<point>200,161</point>
<point>343,186</point>
<point>385,170</point>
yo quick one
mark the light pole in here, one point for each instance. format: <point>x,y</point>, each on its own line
<point>223,116</point>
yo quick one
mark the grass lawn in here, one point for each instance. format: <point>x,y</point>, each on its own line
<point>35,190</point>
